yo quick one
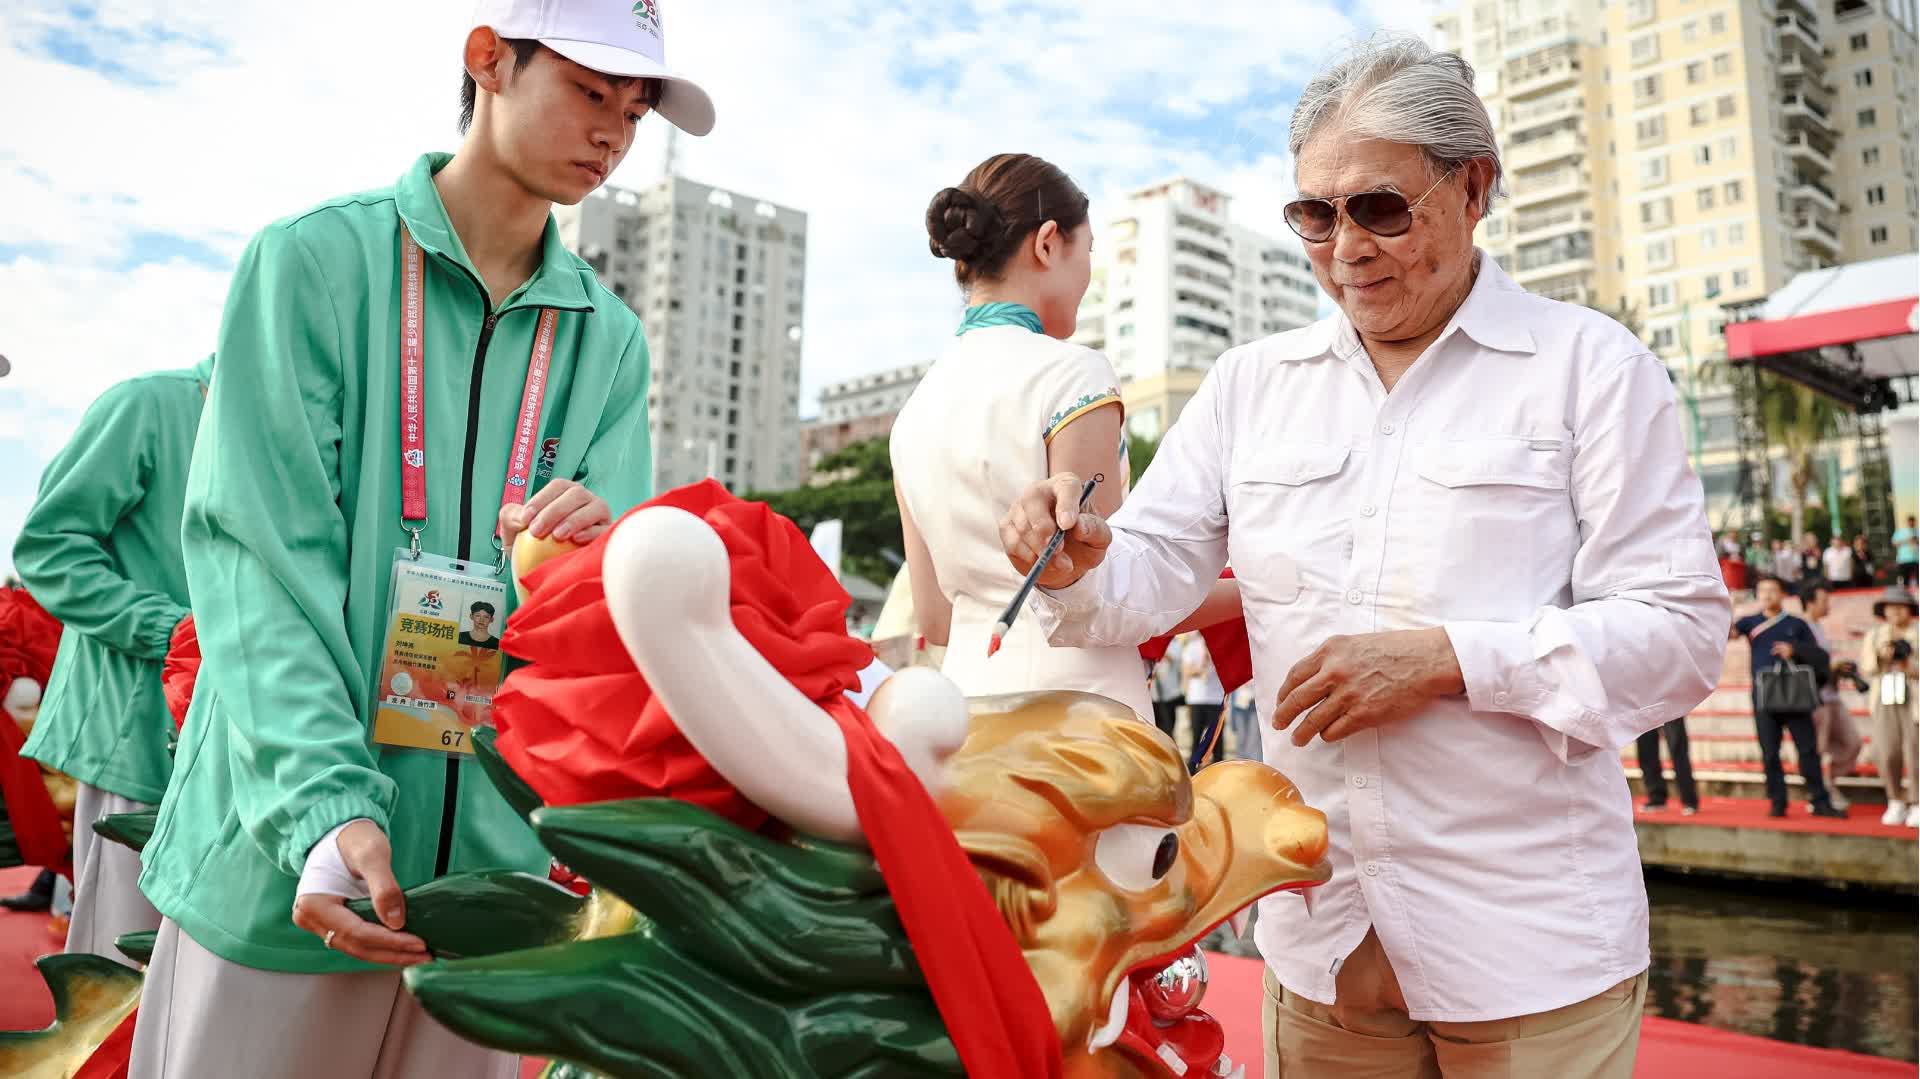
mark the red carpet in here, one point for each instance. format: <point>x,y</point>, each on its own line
<point>1752,813</point>
<point>1668,1049</point>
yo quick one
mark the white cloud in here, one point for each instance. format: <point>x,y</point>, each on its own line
<point>223,117</point>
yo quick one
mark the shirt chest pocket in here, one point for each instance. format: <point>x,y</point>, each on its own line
<point>1497,501</point>
<point>1284,507</point>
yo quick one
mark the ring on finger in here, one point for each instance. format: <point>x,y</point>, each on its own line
<point>327,941</point>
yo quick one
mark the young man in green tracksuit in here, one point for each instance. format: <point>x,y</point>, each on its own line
<point>101,551</point>
<point>408,377</point>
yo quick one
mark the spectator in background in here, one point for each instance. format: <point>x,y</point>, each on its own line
<point>1786,562</point>
<point>1774,635</point>
<point>1833,726</point>
<point>1648,748</point>
<point>1243,720</point>
<point>1906,552</point>
<point>1759,559</point>
<point>1887,660</point>
<point>1862,563</point>
<point>1811,568</point>
<point>1836,563</point>
<point>1205,696</point>
<point>1733,565</point>
<point>1167,697</point>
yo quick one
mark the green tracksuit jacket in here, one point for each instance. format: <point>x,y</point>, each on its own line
<point>292,519</point>
<point>101,551</point>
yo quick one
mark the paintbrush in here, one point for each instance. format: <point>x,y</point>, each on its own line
<point>1001,627</point>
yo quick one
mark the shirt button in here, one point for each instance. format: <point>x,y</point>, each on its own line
<point>1386,428</point>
<point>1354,596</point>
<point>1368,511</point>
<point>1359,781</point>
<point>1370,869</point>
<point>1500,698</point>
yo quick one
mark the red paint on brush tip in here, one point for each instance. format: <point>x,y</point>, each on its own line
<point>993,645</point>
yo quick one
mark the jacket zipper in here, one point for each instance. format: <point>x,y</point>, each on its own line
<point>451,801</point>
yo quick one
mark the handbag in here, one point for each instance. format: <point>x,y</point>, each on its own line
<point>1786,688</point>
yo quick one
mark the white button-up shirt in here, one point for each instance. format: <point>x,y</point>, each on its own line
<point>1524,486</point>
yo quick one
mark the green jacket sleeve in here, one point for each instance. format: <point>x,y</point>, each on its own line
<point>266,547</point>
<point>62,554</point>
<point>618,466</point>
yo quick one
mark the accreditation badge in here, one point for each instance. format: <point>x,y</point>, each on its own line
<point>442,660</point>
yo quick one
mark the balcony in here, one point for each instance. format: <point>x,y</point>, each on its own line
<point>1796,32</point>
<point>1534,191</point>
<point>1807,189</point>
<point>1851,9</point>
<point>1534,114</point>
<point>1201,277</point>
<point>1820,237</point>
<point>1546,151</point>
<point>1539,80</point>
<point>1809,154</point>
<point>1803,113</point>
<point>1796,66</point>
<point>1541,224</point>
<point>1801,9</point>
<point>1576,264</point>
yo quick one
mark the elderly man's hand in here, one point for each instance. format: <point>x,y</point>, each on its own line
<point>1043,509</point>
<point>1350,684</point>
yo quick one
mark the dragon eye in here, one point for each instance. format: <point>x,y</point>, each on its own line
<point>1136,856</point>
<point>1163,857</point>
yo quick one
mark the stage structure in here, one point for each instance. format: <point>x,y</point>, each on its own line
<point>1848,333</point>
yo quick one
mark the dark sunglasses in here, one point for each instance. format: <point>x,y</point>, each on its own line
<point>1383,213</point>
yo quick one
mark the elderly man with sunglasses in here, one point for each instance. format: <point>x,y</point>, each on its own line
<point>1475,564</point>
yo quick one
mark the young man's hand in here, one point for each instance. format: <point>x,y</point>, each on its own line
<point>368,856</point>
<point>562,509</point>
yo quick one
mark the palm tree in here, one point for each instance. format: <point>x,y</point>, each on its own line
<point>1799,420</point>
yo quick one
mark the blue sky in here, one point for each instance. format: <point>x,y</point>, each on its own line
<point>162,135</point>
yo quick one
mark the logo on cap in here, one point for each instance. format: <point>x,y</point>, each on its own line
<point>646,16</point>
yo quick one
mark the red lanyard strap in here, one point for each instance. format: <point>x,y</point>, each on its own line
<point>413,415</point>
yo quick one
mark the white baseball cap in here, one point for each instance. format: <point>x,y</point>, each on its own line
<point>613,37</point>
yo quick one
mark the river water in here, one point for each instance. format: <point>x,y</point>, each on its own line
<point>1833,970</point>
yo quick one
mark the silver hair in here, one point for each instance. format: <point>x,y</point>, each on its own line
<point>1400,89</point>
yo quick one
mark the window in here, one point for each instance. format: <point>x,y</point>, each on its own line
<point>1864,118</point>
<point>1662,338</point>
<point>1660,253</point>
<point>1639,11</point>
<point>1650,130</point>
<point>1863,77</point>
<point>1656,213</point>
<point>1858,42</point>
<point>1646,91</point>
<point>1709,239</point>
<point>1870,156</point>
<point>1703,198</point>
<point>1732,191</point>
<point>1712,285</point>
<point>1653,170</point>
<point>1690,30</point>
<point>1737,233</point>
<point>1696,71</point>
<point>1725,106</point>
<point>1727,147</point>
<point>1703,154</point>
<point>1741,278</point>
<point>1877,234</point>
<point>1876,194</point>
<point>1723,64</point>
<point>1717,24</point>
<point>1698,115</point>
<point>1660,295</point>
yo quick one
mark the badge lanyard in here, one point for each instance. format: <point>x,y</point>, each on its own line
<point>442,660</point>
<point>413,417</point>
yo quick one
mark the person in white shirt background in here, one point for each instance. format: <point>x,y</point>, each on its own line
<point>1475,564</point>
<point>1837,562</point>
<point>1206,697</point>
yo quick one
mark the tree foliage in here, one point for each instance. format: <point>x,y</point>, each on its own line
<point>854,485</point>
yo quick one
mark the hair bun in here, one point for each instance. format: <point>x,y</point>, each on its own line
<point>961,225</point>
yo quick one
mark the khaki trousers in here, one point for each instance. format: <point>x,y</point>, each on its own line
<point>107,901</point>
<point>1894,739</point>
<point>1368,1035</point>
<point>202,1017</point>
